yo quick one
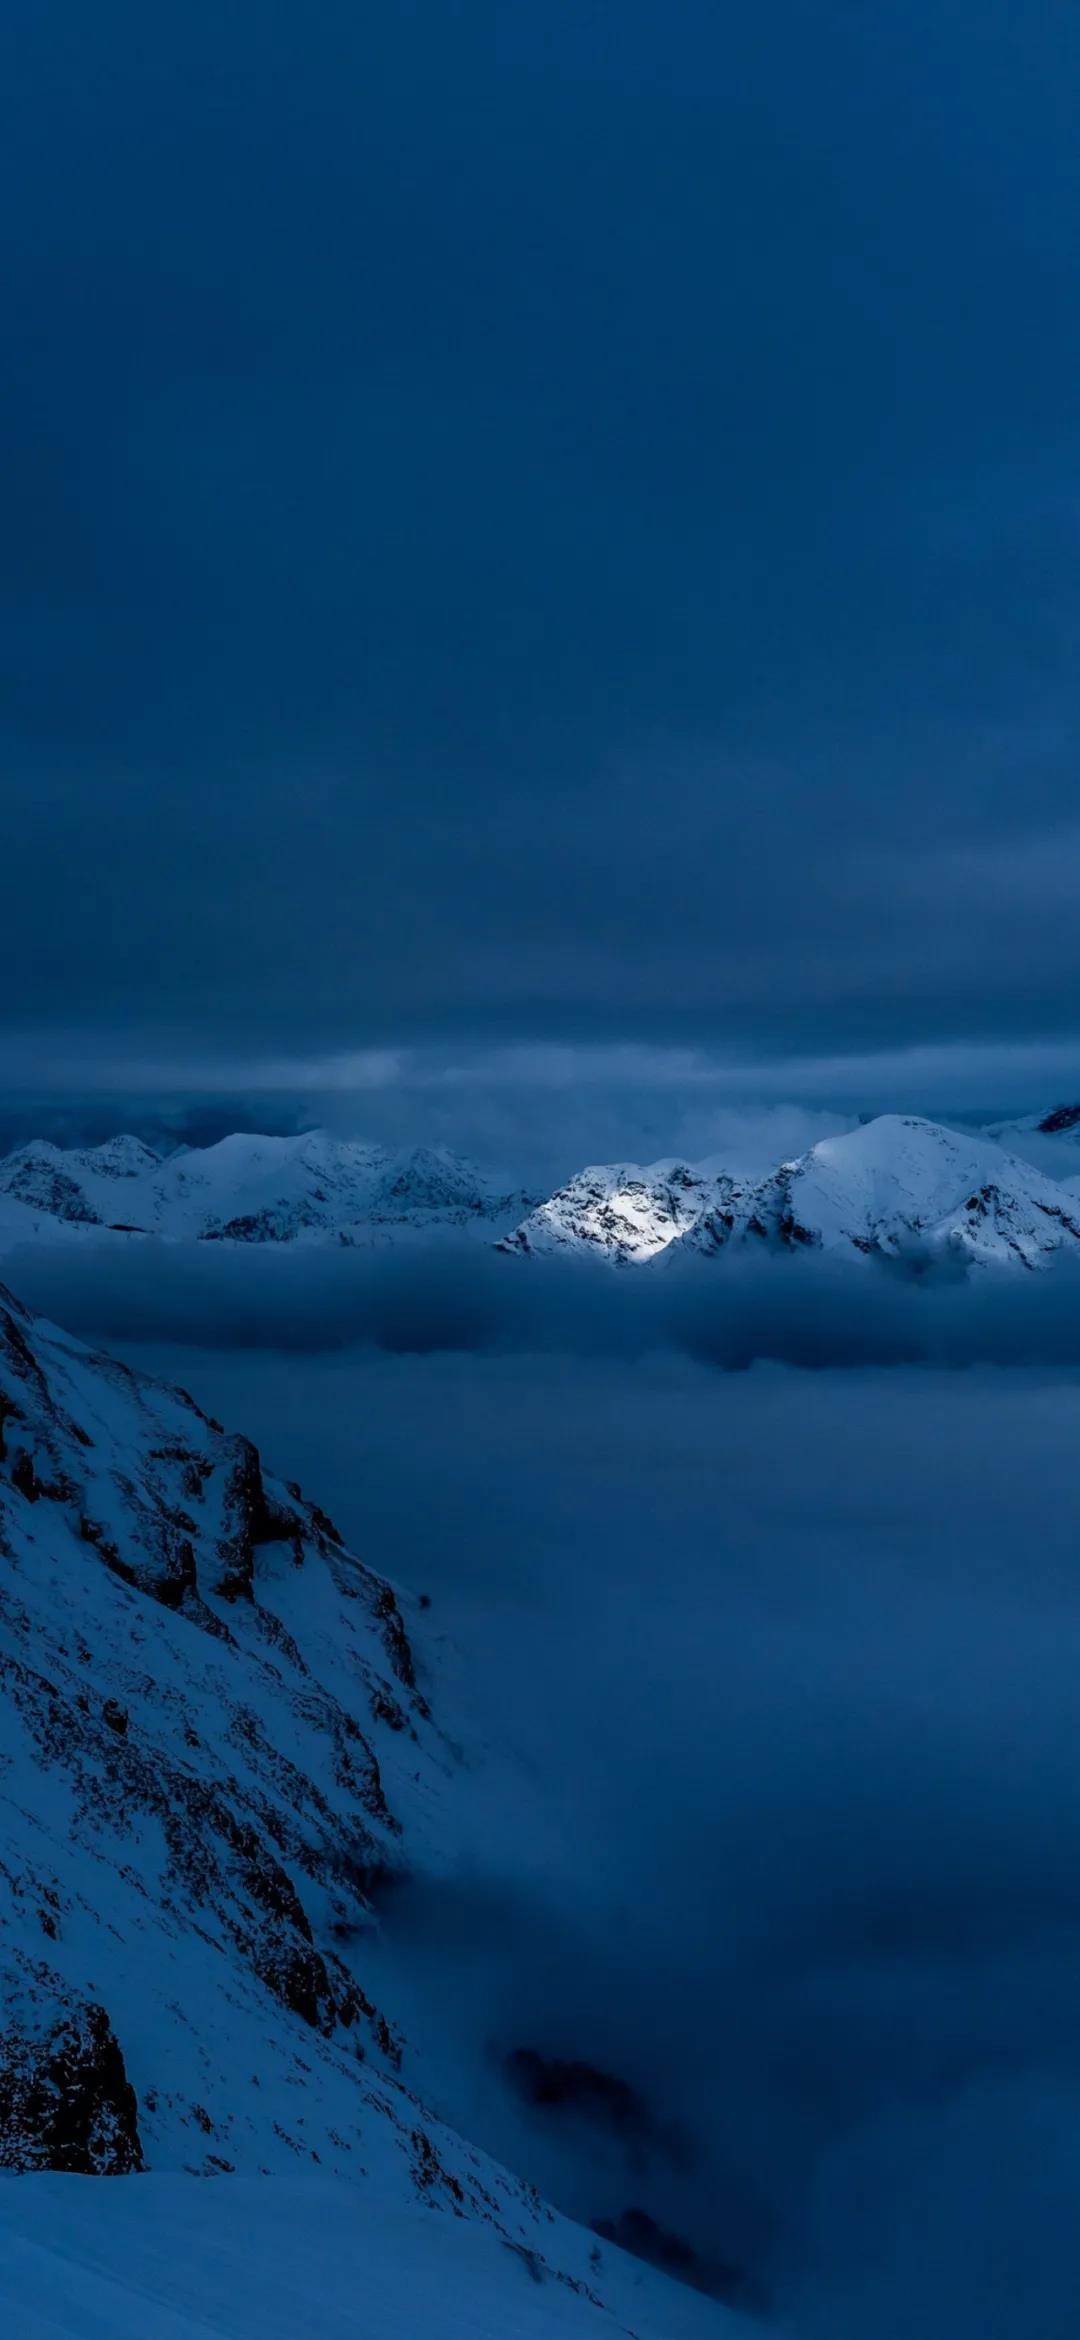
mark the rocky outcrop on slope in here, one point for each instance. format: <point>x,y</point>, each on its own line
<point>66,2102</point>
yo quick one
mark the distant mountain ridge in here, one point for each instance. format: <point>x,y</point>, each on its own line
<point>896,1186</point>
<point>1062,1121</point>
<point>901,1186</point>
<point>248,1188</point>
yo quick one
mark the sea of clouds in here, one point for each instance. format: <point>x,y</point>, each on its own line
<point>755,1606</point>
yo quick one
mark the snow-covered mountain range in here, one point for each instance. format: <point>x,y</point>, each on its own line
<point>900,1185</point>
<point>897,1185</point>
<point>217,1752</point>
<point>247,1189</point>
<point>894,1186</point>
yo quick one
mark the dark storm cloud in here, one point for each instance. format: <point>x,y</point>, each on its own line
<point>454,1296</point>
<point>554,522</point>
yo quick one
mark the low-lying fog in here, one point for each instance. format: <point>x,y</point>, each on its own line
<point>789,1665</point>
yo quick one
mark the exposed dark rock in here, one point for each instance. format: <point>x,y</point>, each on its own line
<point>43,1186</point>
<point>386,1709</point>
<point>395,1637</point>
<point>429,2171</point>
<point>321,1520</point>
<point>167,1573</point>
<point>1062,1117</point>
<point>790,1230</point>
<point>24,1476</point>
<point>250,1516</point>
<point>66,2102</point>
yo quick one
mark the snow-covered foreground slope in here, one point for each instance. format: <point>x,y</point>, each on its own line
<point>624,1212</point>
<point>247,1189</point>
<point>213,1749</point>
<point>216,1754</point>
<point>900,1186</point>
<point>163,2258</point>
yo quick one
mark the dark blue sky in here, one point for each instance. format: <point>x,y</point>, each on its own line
<point>549,523</point>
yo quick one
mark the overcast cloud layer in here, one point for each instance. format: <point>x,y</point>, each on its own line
<point>453,1297</point>
<point>539,523</point>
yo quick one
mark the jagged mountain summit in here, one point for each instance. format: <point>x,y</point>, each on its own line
<point>900,1186</point>
<point>624,1212</point>
<point>248,1188</point>
<point>216,1753</point>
